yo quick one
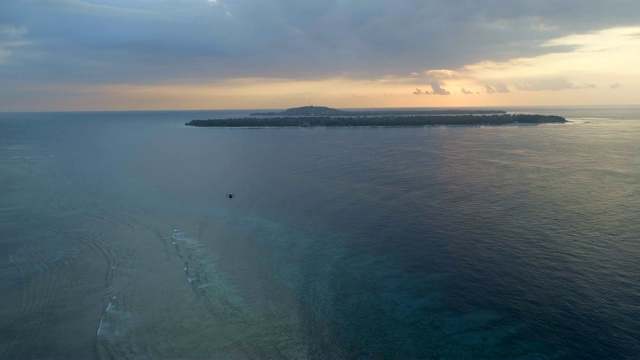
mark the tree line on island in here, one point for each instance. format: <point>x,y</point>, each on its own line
<point>313,116</point>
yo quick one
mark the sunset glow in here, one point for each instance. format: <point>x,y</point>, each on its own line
<point>278,61</point>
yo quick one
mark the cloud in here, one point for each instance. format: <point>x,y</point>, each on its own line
<point>438,90</point>
<point>11,31</point>
<point>392,44</point>
<point>466,92</point>
<point>585,85</point>
<point>441,74</point>
<point>543,84</point>
<point>615,86</point>
<point>550,84</point>
<point>496,88</point>
<point>11,36</point>
<point>139,40</point>
<point>422,92</point>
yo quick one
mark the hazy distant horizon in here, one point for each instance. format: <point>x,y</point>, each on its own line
<point>496,107</point>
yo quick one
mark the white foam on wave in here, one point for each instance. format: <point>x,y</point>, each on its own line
<point>101,327</point>
<point>174,236</point>
<point>115,326</point>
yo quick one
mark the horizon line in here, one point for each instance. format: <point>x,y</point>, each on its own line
<point>340,108</point>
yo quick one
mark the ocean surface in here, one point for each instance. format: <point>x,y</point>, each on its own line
<point>118,239</point>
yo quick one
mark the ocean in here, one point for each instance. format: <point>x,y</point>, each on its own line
<point>119,240</point>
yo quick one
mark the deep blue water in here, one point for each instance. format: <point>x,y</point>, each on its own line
<point>511,242</point>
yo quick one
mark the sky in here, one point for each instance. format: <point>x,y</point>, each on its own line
<point>58,55</point>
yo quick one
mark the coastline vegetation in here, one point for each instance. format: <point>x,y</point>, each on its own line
<point>383,121</point>
<point>312,116</point>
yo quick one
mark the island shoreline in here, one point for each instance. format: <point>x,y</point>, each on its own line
<point>380,121</point>
<point>320,116</point>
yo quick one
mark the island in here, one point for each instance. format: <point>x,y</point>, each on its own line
<point>314,116</point>
<point>327,111</point>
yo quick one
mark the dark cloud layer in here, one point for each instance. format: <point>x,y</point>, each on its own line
<point>86,41</point>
